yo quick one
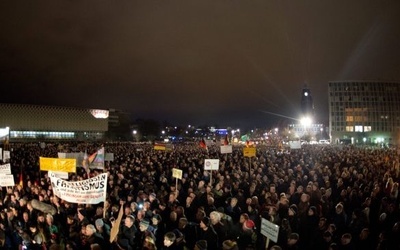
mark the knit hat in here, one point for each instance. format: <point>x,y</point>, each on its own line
<point>206,221</point>
<point>157,217</point>
<point>201,244</point>
<point>82,212</point>
<point>177,233</point>
<point>229,245</point>
<point>294,208</point>
<point>99,222</point>
<point>249,224</point>
<point>145,223</point>
<point>294,236</point>
<point>314,209</point>
<point>327,234</point>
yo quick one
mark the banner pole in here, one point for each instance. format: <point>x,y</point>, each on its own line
<point>176,188</point>
<point>211,178</point>
<point>249,167</point>
<point>266,242</point>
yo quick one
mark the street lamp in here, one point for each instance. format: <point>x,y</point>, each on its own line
<point>306,123</point>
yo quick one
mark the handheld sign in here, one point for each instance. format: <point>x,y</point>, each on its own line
<point>211,164</point>
<point>226,149</point>
<point>61,175</point>
<point>269,230</point>
<point>177,173</point>
<point>5,169</point>
<point>249,152</point>
<point>6,180</point>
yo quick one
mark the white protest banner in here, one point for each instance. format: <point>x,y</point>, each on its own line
<point>61,175</point>
<point>211,164</point>
<point>5,169</point>
<point>89,191</point>
<point>269,230</point>
<point>6,155</point>
<point>7,180</point>
<point>226,149</point>
<point>294,144</point>
<point>62,155</point>
<point>109,157</point>
<point>209,143</point>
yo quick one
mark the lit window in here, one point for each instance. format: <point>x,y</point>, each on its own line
<point>367,129</point>
<point>349,128</point>
<point>358,128</point>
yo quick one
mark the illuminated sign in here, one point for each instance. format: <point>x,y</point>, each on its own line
<point>99,113</point>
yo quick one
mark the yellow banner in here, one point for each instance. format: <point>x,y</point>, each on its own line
<point>57,164</point>
<point>249,152</point>
<point>159,147</point>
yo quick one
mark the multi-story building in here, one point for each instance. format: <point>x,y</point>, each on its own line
<point>38,122</point>
<point>364,112</point>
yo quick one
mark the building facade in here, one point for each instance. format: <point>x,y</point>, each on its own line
<point>36,122</point>
<point>364,112</point>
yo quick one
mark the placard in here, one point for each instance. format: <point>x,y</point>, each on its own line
<point>177,173</point>
<point>211,164</point>
<point>249,152</point>
<point>226,149</point>
<point>5,169</point>
<point>109,157</point>
<point>61,175</point>
<point>7,180</point>
<point>269,230</point>
<point>6,155</point>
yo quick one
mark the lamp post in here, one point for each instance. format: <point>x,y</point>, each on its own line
<point>306,123</point>
<point>134,132</point>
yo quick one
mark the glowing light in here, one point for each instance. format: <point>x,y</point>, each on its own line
<point>306,121</point>
<point>99,114</point>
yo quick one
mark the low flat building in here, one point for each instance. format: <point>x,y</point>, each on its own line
<point>37,122</point>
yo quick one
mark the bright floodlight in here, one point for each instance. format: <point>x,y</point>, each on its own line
<point>306,121</point>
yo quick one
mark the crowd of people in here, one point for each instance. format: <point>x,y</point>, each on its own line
<point>320,196</point>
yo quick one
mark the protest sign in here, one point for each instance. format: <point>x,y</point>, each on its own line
<point>226,149</point>
<point>211,164</point>
<point>56,164</point>
<point>5,169</point>
<point>7,180</point>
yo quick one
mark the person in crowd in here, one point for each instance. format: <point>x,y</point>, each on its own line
<point>208,233</point>
<point>169,241</point>
<point>94,238</point>
<point>145,230</point>
<point>127,234</point>
<point>104,230</point>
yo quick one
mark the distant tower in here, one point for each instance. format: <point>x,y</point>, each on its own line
<point>307,105</point>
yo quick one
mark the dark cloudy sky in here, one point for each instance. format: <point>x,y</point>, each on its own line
<point>226,62</point>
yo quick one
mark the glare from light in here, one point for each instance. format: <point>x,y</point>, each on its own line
<point>306,121</point>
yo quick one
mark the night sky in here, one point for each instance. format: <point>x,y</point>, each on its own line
<point>227,62</point>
